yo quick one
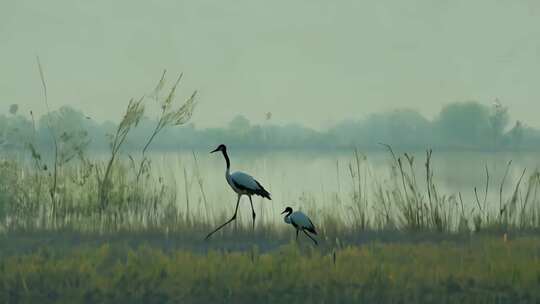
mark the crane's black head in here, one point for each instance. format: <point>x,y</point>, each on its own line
<point>221,148</point>
<point>287,210</point>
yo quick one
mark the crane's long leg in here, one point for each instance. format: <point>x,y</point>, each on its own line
<point>227,222</point>
<point>252,212</point>
<point>297,230</point>
<point>309,236</point>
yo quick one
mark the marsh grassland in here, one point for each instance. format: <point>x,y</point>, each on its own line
<point>75,228</point>
<point>479,269</point>
<point>145,245</point>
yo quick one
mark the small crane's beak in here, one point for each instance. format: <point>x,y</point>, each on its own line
<point>217,149</point>
<point>284,211</point>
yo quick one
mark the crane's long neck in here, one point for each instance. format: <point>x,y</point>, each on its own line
<point>227,160</point>
<point>287,218</point>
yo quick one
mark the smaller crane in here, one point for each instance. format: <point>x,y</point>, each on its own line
<point>301,222</point>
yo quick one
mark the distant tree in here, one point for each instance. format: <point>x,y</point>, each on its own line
<point>3,130</point>
<point>239,129</point>
<point>15,131</point>
<point>464,124</point>
<point>70,128</point>
<point>514,137</point>
<point>64,118</point>
<point>240,124</point>
<point>498,121</point>
<point>401,127</point>
<point>13,109</point>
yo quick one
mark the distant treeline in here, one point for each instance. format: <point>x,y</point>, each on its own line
<point>460,125</point>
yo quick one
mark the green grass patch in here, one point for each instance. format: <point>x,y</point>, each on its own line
<point>483,270</point>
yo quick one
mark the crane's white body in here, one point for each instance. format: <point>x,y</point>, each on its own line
<point>299,220</point>
<point>241,183</point>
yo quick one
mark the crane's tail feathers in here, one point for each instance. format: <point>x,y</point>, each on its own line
<point>262,192</point>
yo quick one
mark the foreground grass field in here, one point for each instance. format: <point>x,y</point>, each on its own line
<point>482,269</point>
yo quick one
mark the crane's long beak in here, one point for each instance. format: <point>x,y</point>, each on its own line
<point>285,211</point>
<point>217,149</point>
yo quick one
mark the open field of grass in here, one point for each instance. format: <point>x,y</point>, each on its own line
<point>79,230</point>
<point>474,269</point>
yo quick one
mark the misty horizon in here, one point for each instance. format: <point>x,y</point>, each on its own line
<point>460,125</point>
<point>256,119</point>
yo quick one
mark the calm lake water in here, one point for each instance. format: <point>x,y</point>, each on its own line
<point>292,176</point>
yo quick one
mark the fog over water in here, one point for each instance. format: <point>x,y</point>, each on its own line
<point>313,179</point>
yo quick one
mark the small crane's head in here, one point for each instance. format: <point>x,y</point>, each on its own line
<point>221,148</point>
<point>287,210</point>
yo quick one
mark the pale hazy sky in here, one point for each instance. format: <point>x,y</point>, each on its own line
<point>313,62</point>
